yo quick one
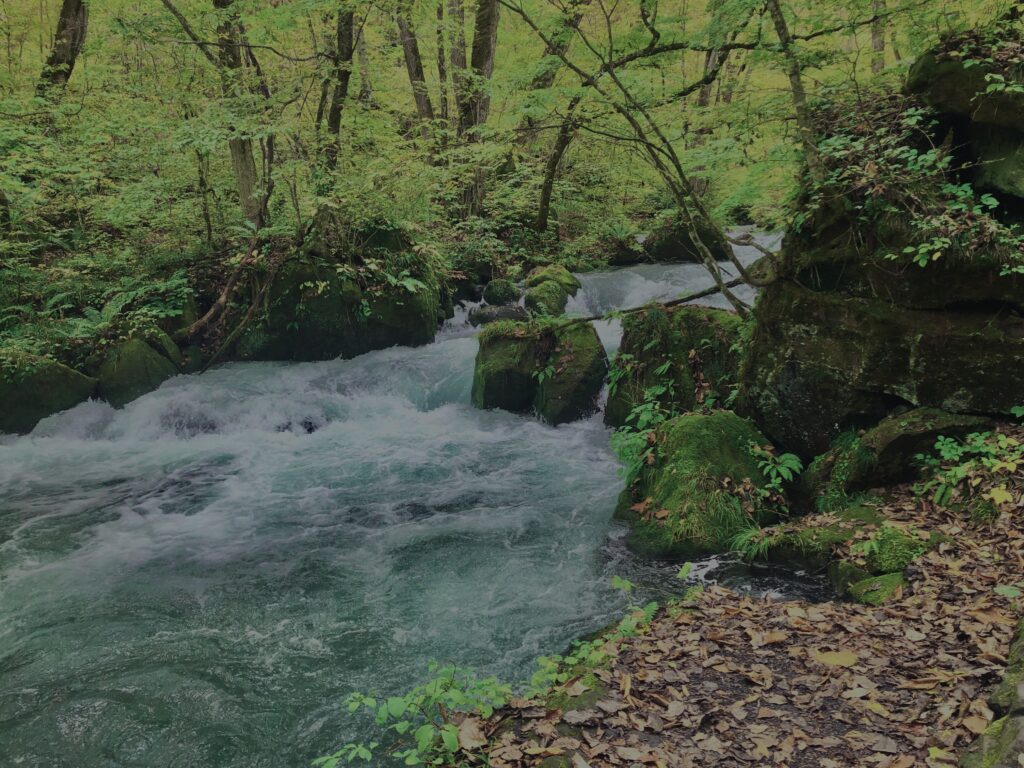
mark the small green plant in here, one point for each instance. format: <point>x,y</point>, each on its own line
<point>776,468</point>
<point>424,721</point>
<point>959,468</point>
<point>755,543</point>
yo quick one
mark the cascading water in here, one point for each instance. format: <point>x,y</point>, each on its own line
<point>199,579</point>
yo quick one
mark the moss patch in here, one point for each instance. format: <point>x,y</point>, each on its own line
<point>32,388</point>
<point>547,298</point>
<point>687,502</point>
<point>556,274</point>
<point>501,291</point>
<point>877,589</point>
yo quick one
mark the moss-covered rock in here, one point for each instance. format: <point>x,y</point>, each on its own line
<point>673,242</point>
<point>821,363</point>
<point>547,299</point>
<point>878,589</point>
<point>688,500</point>
<point>32,388</point>
<point>1000,746</point>
<point>810,541</point>
<point>131,369</point>
<point>314,314</point>
<point>500,291</point>
<point>488,314</point>
<point>556,370</point>
<point>691,354</point>
<point>884,455</point>
<point>950,86</point>
<point>1000,154</point>
<point>556,273</point>
<point>1009,694</point>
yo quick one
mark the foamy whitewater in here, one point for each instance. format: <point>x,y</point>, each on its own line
<point>200,578</point>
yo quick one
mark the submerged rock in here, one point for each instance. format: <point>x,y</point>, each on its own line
<point>313,313</point>
<point>556,370</point>
<point>690,501</point>
<point>32,388</point>
<point>132,369</point>
<point>689,354</point>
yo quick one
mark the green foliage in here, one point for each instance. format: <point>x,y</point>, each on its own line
<point>891,549</point>
<point>421,721</point>
<point>985,460</point>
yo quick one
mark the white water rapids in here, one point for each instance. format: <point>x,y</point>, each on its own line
<point>200,578</point>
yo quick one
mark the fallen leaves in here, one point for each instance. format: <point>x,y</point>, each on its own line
<point>739,681</point>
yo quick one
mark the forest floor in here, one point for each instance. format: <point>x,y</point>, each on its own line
<point>730,680</point>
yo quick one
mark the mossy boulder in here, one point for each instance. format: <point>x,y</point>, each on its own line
<point>821,363</point>
<point>1000,156</point>
<point>811,541</point>
<point>556,370</point>
<point>488,314</point>
<point>878,589</point>
<point>32,388</point>
<point>690,354</point>
<point>672,241</point>
<point>884,455</point>
<point>312,313</point>
<point>948,85</point>
<point>548,299</point>
<point>689,502</point>
<point>556,273</point>
<point>500,292</point>
<point>1000,746</point>
<point>131,369</point>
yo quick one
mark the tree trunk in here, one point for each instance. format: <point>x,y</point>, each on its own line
<point>476,104</point>
<point>878,37</point>
<point>804,121</point>
<point>414,66</point>
<point>67,44</point>
<point>341,74</point>
<point>457,24</point>
<point>365,83</point>
<point>565,136</point>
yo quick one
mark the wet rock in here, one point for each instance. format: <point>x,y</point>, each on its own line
<point>823,362</point>
<point>315,314</point>
<point>884,455</point>
<point>691,354</point>
<point>500,292</point>
<point>131,369</point>
<point>687,500</point>
<point>547,299</point>
<point>487,314</point>
<point>32,388</point>
<point>557,371</point>
<point>673,242</point>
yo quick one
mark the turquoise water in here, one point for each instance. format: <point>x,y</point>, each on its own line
<point>199,579</point>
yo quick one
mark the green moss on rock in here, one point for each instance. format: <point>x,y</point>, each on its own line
<point>821,363</point>
<point>32,388</point>
<point>950,86</point>
<point>810,541</point>
<point>1000,746</point>
<point>314,314</point>
<point>556,370</point>
<point>877,589</point>
<point>500,291</point>
<point>547,299</point>
<point>131,369</point>
<point>700,459</point>
<point>693,352</point>
<point>555,273</point>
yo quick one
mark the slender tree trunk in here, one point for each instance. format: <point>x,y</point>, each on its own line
<point>878,37</point>
<point>442,64</point>
<point>457,24</point>
<point>414,66</point>
<point>365,81</point>
<point>341,74</point>
<point>67,45</point>
<point>565,136</point>
<point>804,121</point>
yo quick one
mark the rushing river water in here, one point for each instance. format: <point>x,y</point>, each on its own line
<point>200,578</point>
